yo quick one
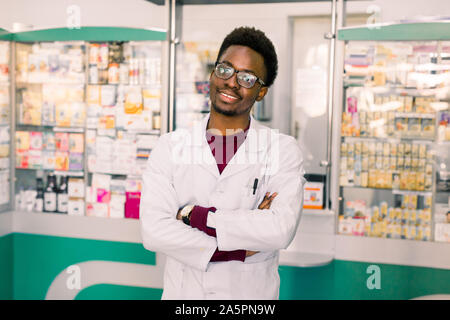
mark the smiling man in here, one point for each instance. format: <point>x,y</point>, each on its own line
<point>222,220</point>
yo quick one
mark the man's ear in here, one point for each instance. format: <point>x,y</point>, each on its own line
<point>262,92</point>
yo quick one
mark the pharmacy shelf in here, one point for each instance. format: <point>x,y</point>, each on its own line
<point>44,127</point>
<point>349,248</point>
<point>63,225</point>
<point>102,34</point>
<point>393,191</point>
<point>392,139</point>
<point>318,212</point>
<point>123,230</point>
<point>58,172</point>
<point>397,32</point>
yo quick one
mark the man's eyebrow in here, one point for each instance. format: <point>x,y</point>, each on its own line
<point>231,65</point>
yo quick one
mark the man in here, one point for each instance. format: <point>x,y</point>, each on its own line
<point>221,200</point>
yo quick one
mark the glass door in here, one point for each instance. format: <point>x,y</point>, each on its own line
<point>5,126</point>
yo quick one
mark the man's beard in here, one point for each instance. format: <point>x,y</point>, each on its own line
<point>230,113</point>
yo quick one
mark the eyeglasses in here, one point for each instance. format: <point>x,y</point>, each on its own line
<point>244,78</point>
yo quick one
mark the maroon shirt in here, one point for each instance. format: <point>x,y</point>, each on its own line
<point>223,149</point>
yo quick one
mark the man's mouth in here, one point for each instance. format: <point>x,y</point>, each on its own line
<point>228,97</point>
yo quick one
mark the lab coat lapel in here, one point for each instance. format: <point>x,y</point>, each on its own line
<point>252,152</point>
<point>200,149</point>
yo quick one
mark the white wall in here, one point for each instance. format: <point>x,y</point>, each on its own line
<point>53,13</point>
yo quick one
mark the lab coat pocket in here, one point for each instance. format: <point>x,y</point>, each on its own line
<point>249,200</point>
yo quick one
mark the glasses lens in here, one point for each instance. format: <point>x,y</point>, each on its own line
<point>247,80</point>
<point>223,71</point>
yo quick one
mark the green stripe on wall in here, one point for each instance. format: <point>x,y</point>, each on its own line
<point>425,31</point>
<point>347,280</point>
<point>117,292</point>
<point>38,259</point>
<point>6,267</point>
<point>90,34</point>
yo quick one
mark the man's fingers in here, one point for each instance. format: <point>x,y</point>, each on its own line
<point>249,253</point>
<point>265,204</point>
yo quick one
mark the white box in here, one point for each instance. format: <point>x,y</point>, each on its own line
<point>442,232</point>
<point>313,195</point>
<point>100,210</point>
<point>117,206</point>
<point>76,207</point>
<point>76,188</point>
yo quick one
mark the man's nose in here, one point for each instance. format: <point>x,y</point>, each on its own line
<point>232,81</point>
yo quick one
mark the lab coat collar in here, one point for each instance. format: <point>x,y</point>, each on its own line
<point>255,129</point>
<point>253,151</point>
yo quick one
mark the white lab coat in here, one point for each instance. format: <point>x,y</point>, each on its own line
<point>182,170</point>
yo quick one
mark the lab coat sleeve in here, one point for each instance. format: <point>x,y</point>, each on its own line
<point>161,231</point>
<point>274,228</point>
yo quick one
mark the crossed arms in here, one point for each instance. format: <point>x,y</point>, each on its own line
<point>271,228</point>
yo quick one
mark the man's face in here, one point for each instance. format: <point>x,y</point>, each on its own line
<point>227,96</point>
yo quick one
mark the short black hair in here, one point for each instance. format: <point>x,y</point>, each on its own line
<point>256,40</point>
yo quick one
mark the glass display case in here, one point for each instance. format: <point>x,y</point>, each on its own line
<point>395,132</point>
<point>88,112</point>
<point>5,126</point>
<point>195,62</point>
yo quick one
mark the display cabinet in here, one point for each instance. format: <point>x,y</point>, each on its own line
<point>5,123</point>
<point>87,107</point>
<point>395,132</point>
<point>195,62</point>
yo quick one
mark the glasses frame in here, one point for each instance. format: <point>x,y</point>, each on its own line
<point>236,72</point>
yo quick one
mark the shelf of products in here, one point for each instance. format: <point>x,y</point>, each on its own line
<point>394,155</point>
<point>195,62</point>
<point>88,113</point>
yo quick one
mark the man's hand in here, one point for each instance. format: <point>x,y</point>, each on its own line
<point>265,204</point>
<point>179,213</point>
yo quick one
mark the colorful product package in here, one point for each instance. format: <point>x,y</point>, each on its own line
<point>49,142</point>
<point>63,114</point>
<point>103,195</point>
<point>76,142</point>
<point>75,161</point>
<point>61,160</point>
<point>48,160</point>
<point>132,205</point>
<point>62,141</point>
<point>35,140</point>
<point>22,140</point>
<point>77,114</point>
<point>35,159</point>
